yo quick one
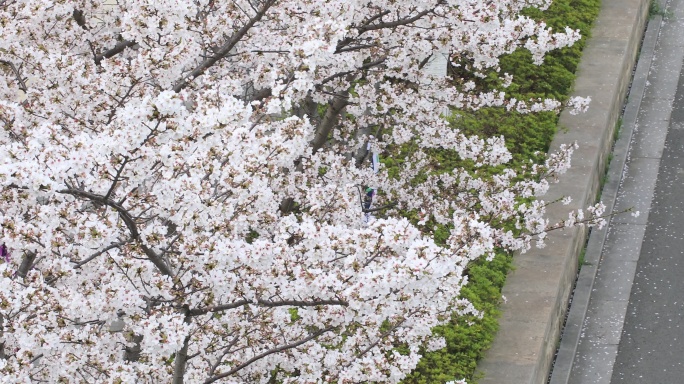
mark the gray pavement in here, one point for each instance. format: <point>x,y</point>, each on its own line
<point>539,287</point>
<point>651,348</point>
<point>626,324</point>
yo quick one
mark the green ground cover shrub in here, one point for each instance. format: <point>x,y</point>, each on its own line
<point>468,337</point>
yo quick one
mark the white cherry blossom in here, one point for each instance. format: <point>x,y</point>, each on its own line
<point>182,185</point>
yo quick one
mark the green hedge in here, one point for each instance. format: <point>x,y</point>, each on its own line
<point>469,337</point>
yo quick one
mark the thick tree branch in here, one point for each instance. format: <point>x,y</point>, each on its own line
<point>79,18</point>
<point>328,122</point>
<point>133,353</point>
<point>26,264</point>
<point>261,94</point>
<point>118,48</point>
<point>323,130</point>
<point>180,362</point>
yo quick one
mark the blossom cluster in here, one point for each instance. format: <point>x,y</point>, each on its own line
<point>182,180</point>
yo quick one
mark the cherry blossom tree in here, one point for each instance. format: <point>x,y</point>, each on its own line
<point>182,185</point>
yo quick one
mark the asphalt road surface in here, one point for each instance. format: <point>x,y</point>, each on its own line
<point>651,348</point>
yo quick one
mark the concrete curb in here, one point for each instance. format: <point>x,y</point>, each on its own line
<point>539,288</point>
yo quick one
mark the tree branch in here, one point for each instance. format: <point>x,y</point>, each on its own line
<point>266,303</point>
<point>180,362</point>
<point>390,205</point>
<point>367,26</point>
<point>224,50</point>
<point>269,352</point>
<point>328,122</point>
<point>98,253</point>
<point>368,65</point>
<point>156,259</point>
<point>118,48</point>
<point>115,182</point>
<point>21,81</point>
<point>26,264</point>
<point>226,350</point>
<point>396,23</point>
<point>79,18</point>
<point>133,353</point>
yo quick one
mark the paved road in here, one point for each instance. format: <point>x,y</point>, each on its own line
<point>651,348</point>
<point>633,328</point>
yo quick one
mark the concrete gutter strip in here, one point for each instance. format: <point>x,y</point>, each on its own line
<point>538,290</point>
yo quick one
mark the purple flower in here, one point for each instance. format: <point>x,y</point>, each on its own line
<point>4,252</point>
